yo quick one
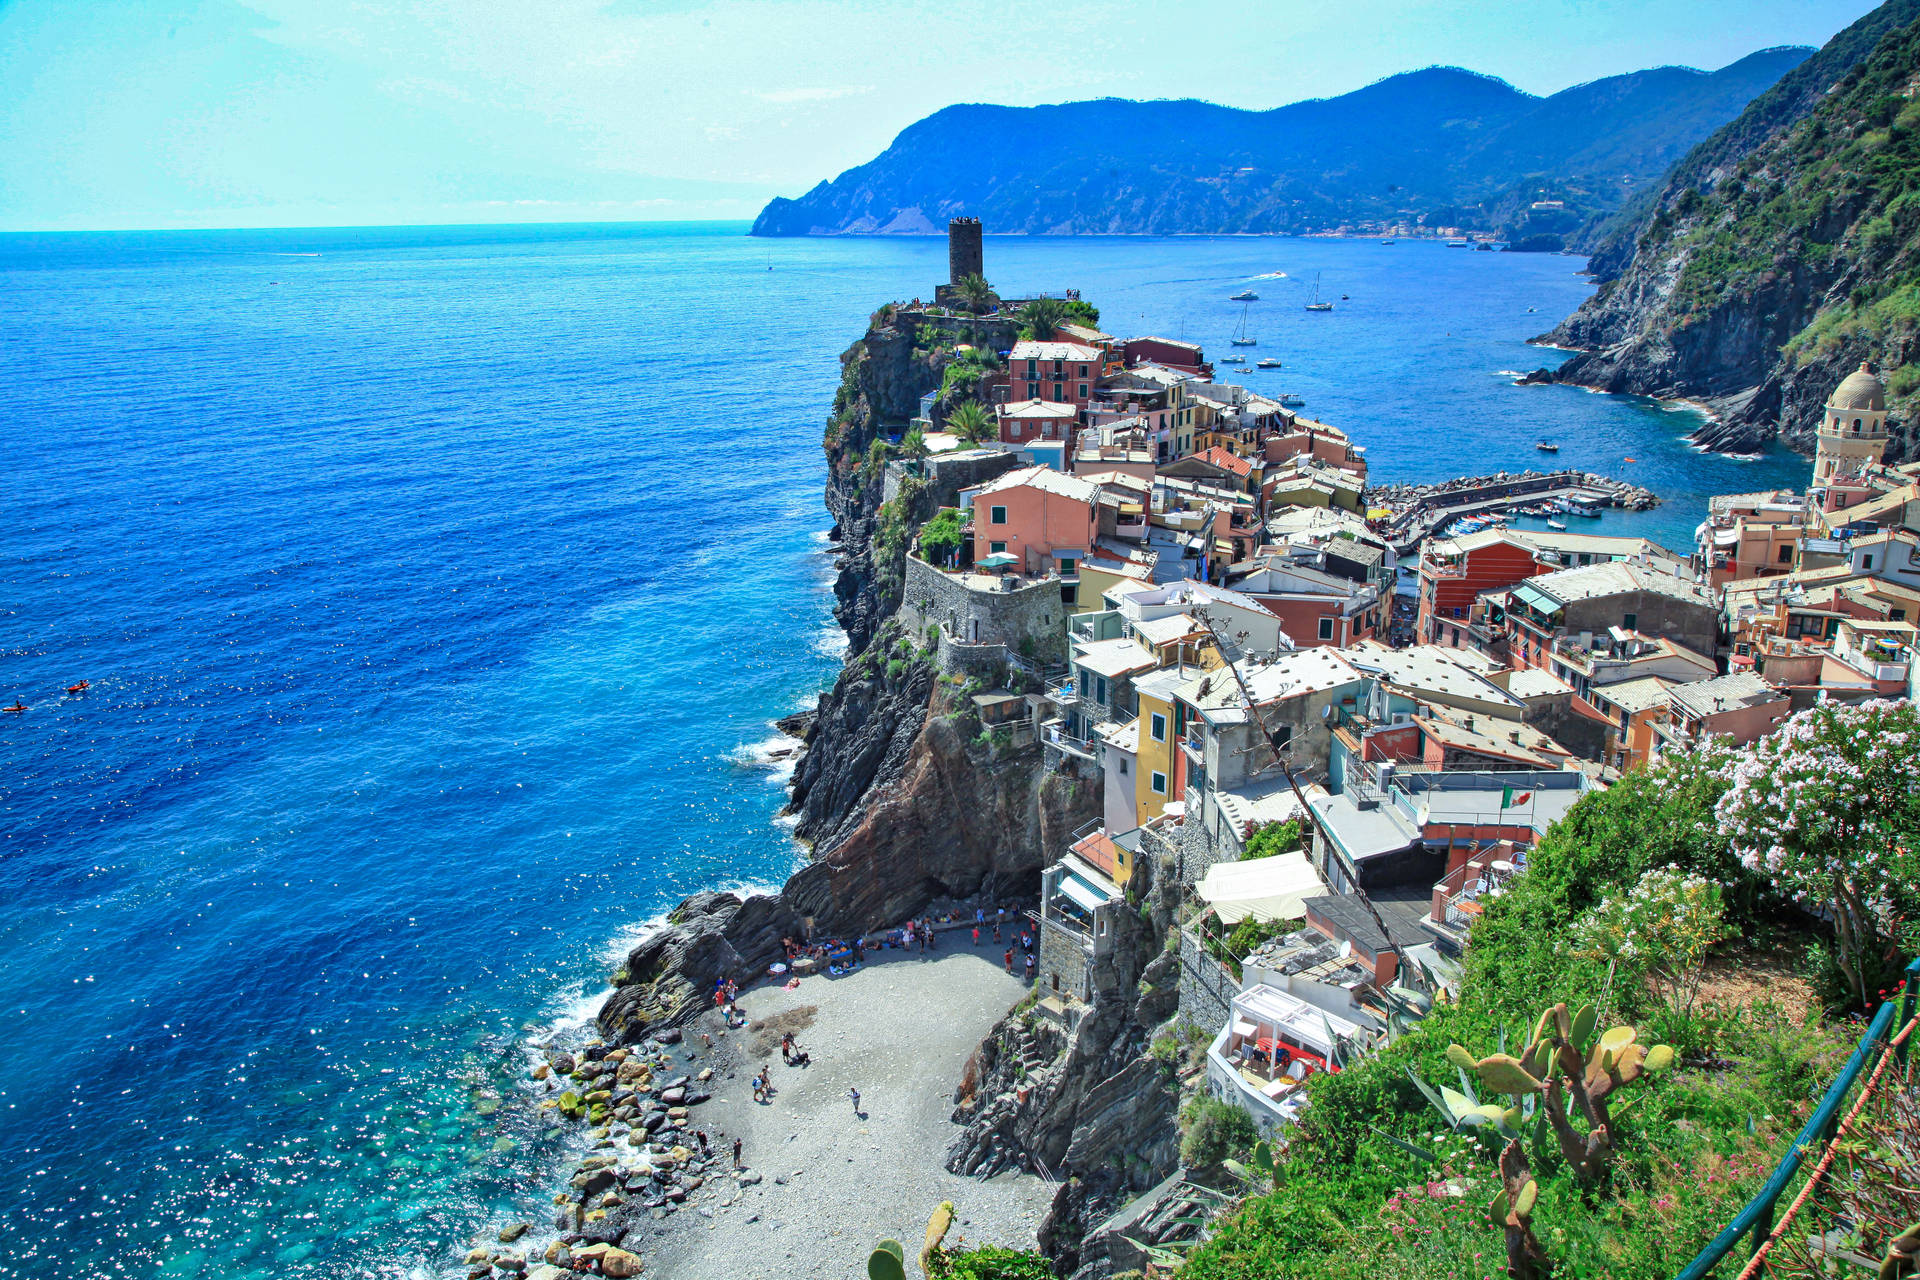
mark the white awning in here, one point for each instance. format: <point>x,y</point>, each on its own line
<point>1082,892</point>
<point>1266,888</point>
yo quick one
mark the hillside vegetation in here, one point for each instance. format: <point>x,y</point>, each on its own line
<point>1443,145</point>
<point>1780,253</point>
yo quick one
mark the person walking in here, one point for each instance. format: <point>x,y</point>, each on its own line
<point>736,1153</point>
<point>976,935</point>
<point>1009,959</point>
<point>855,1095</point>
<point>1029,968</point>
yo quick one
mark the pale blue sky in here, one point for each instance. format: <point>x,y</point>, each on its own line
<point>170,113</point>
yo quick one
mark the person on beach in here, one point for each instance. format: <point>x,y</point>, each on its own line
<point>736,1153</point>
<point>1029,968</point>
<point>855,1095</point>
<point>786,1048</point>
<point>979,916</point>
<point>976,935</point>
<point>1008,958</point>
<point>996,933</point>
<point>700,1135</point>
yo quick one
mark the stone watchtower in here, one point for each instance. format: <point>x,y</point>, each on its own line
<point>1853,427</point>
<point>964,256</point>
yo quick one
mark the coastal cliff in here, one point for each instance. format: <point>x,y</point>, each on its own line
<point>900,800</point>
<point>1094,1106</point>
<point>1780,253</point>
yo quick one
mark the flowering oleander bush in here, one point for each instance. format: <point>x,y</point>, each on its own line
<point>1659,930</point>
<point>1825,809</point>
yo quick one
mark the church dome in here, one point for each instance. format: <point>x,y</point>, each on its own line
<point>1860,389</point>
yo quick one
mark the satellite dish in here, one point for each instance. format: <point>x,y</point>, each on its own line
<point>1326,711</point>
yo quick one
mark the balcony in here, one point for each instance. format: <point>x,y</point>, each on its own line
<point>1055,735</point>
<point>1063,692</point>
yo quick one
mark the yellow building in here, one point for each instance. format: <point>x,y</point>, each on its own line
<point>1161,725</point>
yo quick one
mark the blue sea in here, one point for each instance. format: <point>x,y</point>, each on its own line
<point>437,588</point>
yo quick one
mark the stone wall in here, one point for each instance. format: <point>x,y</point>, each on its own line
<point>1206,987</point>
<point>1033,614</point>
<point>1063,962</point>
<point>985,661</point>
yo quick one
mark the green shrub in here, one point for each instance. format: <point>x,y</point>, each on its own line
<point>988,1262</point>
<point>1214,1131</point>
<point>1274,838</point>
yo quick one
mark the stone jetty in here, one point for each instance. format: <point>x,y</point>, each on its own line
<point>1418,510</point>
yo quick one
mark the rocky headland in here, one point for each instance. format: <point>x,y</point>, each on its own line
<point>1776,257</point>
<point>905,807</point>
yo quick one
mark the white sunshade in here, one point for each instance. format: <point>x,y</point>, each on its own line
<point>1266,888</point>
<point>1082,892</point>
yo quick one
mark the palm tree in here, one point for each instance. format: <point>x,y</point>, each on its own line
<point>974,292</point>
<point>970,421</point>
<point>914,444</point>
<point>1041,318</point>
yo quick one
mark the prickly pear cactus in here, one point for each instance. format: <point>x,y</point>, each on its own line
<point>937,1227</point>
<point>888,1261</point>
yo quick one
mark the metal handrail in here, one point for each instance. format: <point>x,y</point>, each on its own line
<point>1819,1129</point>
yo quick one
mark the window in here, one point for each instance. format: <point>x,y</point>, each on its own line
<point>1631,622</point>
<point>1033,368</point>
<point>1326,628</point>
<point>1070,594</point>
<point>1159,727</point>
<point>1866,564</point>
<point>1786,554</point>
<point>1059,392</point>
<point>1123,763</point>
<point>1067,566</point>
<point>1083,391</point>
<point>996,548</point>
<point>1159,782</point>
<point>1081,372</point>
<point>996,515</point>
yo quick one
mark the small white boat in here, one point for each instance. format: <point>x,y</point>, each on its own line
<point>1386,239</point>
<point>1268,363</point>
<point>1457,244</point>
<point>1245,295</point>
<point>1556,526</point>
<point>1233,359</point>
<point>1547,446</point>
<point>1291,401</point>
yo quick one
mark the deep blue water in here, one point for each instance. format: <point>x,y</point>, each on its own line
<point>435,586</point>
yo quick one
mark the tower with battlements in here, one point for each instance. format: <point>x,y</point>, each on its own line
<point>964,257</point>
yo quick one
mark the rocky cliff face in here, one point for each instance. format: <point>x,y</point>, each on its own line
<point>1094,1107</point>
<point>1780,254</point>
<point>899,800</point>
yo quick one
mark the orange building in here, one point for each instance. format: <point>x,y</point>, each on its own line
<point>1046,520</point>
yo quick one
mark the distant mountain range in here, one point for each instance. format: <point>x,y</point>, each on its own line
<point>1778,254</point>
<point>1440,147</point>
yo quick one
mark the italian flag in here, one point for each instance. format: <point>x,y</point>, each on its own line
<point>1508,799</point>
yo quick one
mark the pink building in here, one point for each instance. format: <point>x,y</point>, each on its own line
<point>1063,372</point>
<point>1043,518</point>
<point>1027,420</point>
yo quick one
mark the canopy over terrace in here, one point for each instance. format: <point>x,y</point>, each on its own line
<point>1266,888</point>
